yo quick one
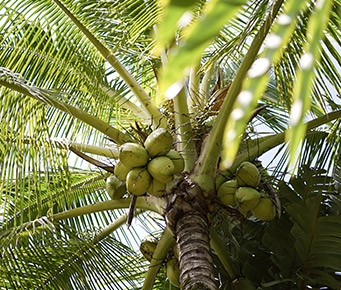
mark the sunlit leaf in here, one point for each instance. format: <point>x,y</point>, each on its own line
<point>257,79</point>
<point>190,49</point>
<point>305,76</point>
<point>173,11</point>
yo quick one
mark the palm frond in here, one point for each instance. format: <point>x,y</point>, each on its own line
<point>311,228</point>
<point>59,57</point>
<point>30,173</point>
<point>231,45</point>
<point>51,254</point>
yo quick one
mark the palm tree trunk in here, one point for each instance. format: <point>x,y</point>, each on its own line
<point>195,260</point>
<point>186,215</point>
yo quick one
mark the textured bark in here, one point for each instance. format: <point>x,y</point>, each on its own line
<point>195,260</point>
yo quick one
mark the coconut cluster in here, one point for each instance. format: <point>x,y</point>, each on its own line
<point>148,167</point>
<point>242,192</point>
<point>147,248</point>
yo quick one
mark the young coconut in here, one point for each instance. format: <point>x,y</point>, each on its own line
<point>179,163</point>
<point>162,169</point>
<point>248,175</point>
<point>219,180</point>
<point>265,210</point>
<point>247,198</point>
<point>138,181</point>
<point>121,171</point>
<point>133,155</point>
<point>115,188</point>
<point>175,251</point>
<point>157,188</point>
<point>147,247</point>
<point>173,271</point>
<point>226,192</point>
<point>159,142</point>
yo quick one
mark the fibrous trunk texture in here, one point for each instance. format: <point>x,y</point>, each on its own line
<point>196,265</point>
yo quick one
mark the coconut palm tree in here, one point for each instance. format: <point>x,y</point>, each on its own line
<point>230,80</point>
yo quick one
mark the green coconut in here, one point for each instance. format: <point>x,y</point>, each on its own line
<point>178,160</point>
<point>121,171</point>
<point>175,251</point>
<point>157,188</point>
<point>226,192</point>
<point>173,272</point>
<point>265,210</point>
<point>133,155</point>
<point>159,142</point>
<point>248,175</point>
<point>219,180</point>
<point>147,247</point>
<point>138,181</point>
<point>247,198</point>
<point>162,169</point>
<point>115,188</point>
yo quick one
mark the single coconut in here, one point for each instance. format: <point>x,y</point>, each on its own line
<point>147,247</point>
<point>157,188</point>
<point>173,272</point>
<point>159,142</point>
<point>247,175</point>
<point>226,192</point>
<point>177,159</point>
<point>133,155</point>
<point>115,188</point>
<point>219,180</point>
<point>247,198</point>
<point>162,169</point>
<point>265,210</point>
<point>175,251</point>
<point>138,181</point>
<point>121,171</point>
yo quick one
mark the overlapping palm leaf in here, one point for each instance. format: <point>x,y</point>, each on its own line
<point>47,50</point>
<point>52,253</point>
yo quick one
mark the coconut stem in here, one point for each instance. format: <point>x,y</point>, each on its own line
<point>151,203</point>
<point>165,243</point>
<point>206,165</point>
<point>184,131</point>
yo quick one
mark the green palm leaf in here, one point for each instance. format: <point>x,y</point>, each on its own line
<point>52,253</point>
<point>309,231</point>
<point>88,72</point>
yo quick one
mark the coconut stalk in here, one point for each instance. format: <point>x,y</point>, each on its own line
<point>151,203</point>
<point>165,243</point>
<point>269,142</point>
<point>129,105</point>
<point>93,161</point>
<point>183,126</point>
<point>193,88</point>
<point>110,152</point>
<point>114,226</point>
<point>143,203</point>
<point>98,150</point>
<point>205,84</point>
<point>206,165</point>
